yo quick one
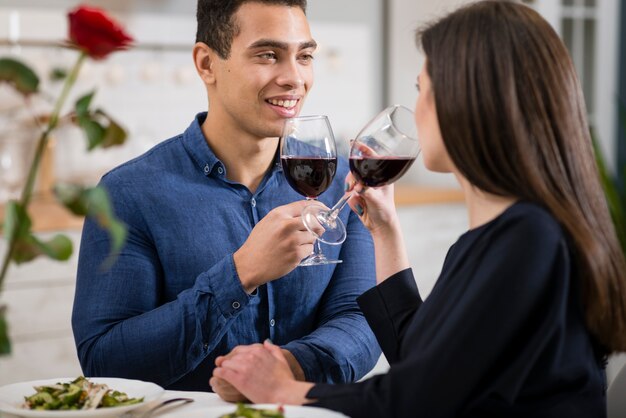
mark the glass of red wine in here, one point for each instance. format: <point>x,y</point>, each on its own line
<point>381,153</point>
<point>308,156</point>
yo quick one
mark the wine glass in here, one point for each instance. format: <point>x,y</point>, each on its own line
<point>308,156</point>
<point>381,153</point>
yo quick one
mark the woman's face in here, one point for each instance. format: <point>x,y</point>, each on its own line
<point>434,152</point>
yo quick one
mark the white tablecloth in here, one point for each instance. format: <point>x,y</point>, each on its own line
<point>202,400</point>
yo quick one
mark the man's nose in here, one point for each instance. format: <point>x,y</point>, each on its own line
<point>291,75</point>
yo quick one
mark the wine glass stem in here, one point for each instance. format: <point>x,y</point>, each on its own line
<point>317,248</point>
<point>333,212</point>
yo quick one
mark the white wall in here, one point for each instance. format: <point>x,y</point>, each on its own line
<point>165,90</point>
<point>406,61</point>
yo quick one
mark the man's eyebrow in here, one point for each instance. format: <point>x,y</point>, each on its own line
<point>271,43</point>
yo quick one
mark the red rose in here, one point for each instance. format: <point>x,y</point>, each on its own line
<point>94,32</point>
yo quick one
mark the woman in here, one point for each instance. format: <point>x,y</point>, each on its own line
<point>531,299</point>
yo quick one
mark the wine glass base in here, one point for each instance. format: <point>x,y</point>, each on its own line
<point>317,260</point>
<point>317,218</point>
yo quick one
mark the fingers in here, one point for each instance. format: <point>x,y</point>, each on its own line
<point>226,391</point>
<point>294,209</point>
<point>358,205</point>
<point>275,351</point>
<point>237,350</point>
<point>227,375</point>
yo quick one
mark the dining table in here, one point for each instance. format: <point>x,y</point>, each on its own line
<point>202,401</point>
<point>205,405</point>
<point>182,404</point>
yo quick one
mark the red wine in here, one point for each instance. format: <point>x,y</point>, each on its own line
<point>309,176</point>
<point>379,171</point>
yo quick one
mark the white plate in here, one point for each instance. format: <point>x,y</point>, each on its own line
<point>12,396</point>
<point>291,411</point>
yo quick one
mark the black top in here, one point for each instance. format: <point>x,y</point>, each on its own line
<point>502,333</point>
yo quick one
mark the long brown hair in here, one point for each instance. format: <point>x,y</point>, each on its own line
<point>513,120</point>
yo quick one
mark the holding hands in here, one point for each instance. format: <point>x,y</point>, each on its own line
<point>260,373</point>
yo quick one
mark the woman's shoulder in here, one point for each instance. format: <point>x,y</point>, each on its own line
<point>522,221</point>
<point>530,221</point>
<point>523,228</point>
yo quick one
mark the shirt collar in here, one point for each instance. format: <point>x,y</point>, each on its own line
<point>196,145</point>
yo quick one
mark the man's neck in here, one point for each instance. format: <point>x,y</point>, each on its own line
<point>247,159</point>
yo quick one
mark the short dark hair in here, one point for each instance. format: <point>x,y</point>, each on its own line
<point>216,26</point>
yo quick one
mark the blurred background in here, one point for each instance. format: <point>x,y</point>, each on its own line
<point>366,60</point>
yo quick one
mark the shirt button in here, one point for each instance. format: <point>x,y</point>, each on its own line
<point>272,322</point>
<point>253,202</point>
<point>206,169</point>
<point>205,346</point>
<point>236,305</point>
<point>220,170</point>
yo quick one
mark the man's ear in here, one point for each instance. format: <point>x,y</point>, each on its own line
<point>204,58</point>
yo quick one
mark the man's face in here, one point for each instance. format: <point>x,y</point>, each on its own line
<point>269,70</point>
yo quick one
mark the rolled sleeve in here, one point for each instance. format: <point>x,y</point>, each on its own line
<point>223,282</point>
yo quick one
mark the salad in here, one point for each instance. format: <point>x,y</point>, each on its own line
<point>244,411</point>
<point>77,394</point>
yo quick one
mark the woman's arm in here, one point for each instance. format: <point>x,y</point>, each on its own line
<point>377,211</point>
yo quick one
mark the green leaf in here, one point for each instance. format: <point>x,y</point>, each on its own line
<point>100,208</point>
<point>94,202</point>
<point>5,343</point>
<point>25,249</point>
<point>17,223</point>
<point>613,194</point>
<point>58,248</point>
<point>58,74</point>
<point>117,234</point>
<point>30,247</point>
<point>73,197</point>
<point>93,130</point>
<point>113,135</point>
<point>82,104</point>
<point>20,76</point>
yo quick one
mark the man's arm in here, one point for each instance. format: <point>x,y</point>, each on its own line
<point>342,348</point>
<point>121,325</point>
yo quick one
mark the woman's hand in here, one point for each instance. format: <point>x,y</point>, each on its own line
<point>375,207</point>
<point>377,211</point>
<point>262,374</point>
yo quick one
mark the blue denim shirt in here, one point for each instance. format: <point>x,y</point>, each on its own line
<point>173,302</point>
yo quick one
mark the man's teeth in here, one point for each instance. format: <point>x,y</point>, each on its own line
<point>283,103</point>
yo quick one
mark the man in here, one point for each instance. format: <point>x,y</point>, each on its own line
<point>215,232</point>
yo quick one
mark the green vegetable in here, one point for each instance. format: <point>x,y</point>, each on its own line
<point>78,394</point>
<point>244,411</point>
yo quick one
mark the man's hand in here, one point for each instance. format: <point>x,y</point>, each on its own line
<point>295,367</point>
<point>262,373</point>
<point>228,392</point>
<point>275,246</point>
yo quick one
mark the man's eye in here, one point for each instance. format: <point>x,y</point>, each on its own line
<point>267,56</point>
<point>307,57</point>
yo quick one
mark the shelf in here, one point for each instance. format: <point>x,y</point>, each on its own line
<point>409,194</point>
<point>48,215</point>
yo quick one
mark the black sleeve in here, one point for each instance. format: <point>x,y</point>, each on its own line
<point>495,315</point>
<point>388,309</point>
